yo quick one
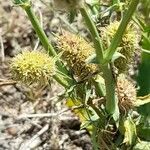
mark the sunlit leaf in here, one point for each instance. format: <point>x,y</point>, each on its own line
<point>142,100</point>
<point>142,145</point>
<point>130,136</point>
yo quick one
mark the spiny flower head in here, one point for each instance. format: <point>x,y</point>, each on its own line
<point>68,4</point>
<point>128,44</point>
<point>126,93</point>
<point>75,52</point>
<point>33,66</point>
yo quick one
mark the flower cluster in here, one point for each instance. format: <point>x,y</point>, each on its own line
<point>75,52</point>
<point>33,67</point>
<point>126,93</point>
<point>127,47</point>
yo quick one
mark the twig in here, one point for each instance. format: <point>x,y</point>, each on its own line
<point>2,52</point>
<point>27,145</point>
<point>47,114</point>
<point>6,82</point>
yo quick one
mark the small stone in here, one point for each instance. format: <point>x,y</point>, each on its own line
<point>9,89</point>
<point>12,130</point>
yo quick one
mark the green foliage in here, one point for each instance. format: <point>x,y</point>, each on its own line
<point>142,145</point>
<point>130,135</point>
<point>105,103</point>
<point>23,3</point>
<point>143,77</point>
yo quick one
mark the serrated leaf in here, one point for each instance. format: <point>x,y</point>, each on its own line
<point>130,136</point>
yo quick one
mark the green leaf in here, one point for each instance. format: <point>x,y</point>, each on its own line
<point>144,133</point>
<point>143,78</point>
<point>116,115</point>
<point>92,2</point>
<point>116,56</point>
<point>92,58</point>
<point>146,51</point>
<point>142,145</point>
<point>143,128</point>
<point>142,100</point>
<point>130,136</point>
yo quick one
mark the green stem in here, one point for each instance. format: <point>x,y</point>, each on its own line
<point>94,138</point>
<point>39,31</point>
<point>110,89</point>
<point>64,83</point>
<point>95,35</point>
<point>46,44</point>
<point>118,36</point>
<point>107,74</point>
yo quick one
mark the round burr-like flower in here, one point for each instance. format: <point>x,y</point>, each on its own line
<point>33,67</point>
<point>126,94</point>
<point>127,47</point>
<point>75,52</point>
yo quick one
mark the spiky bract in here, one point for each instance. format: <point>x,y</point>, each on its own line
<point>127,47</point>
<point>33,67</point>
<point>126,93</point>
<point>75,52</point>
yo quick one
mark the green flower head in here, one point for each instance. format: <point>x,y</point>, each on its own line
<point>75,52</point>
<point>128,46</point>
<point>33,67</point>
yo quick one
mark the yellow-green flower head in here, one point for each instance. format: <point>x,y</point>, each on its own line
<point>33,67</point>
<point>126,93</point>
<point>68,4</point>
<point>75,52</point>
<point>128,46</point>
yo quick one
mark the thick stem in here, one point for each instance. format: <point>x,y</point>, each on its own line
<point>95,35</point>
<point>118,36</point>
<point>107,74</point>
<point>110,89</point>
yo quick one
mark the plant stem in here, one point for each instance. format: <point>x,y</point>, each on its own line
<point>110,89</point>
<point>46,44</point>
<point>38,29</point>
<point>95,35</point>
<point>118,36</point>
<point>107,74</point>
